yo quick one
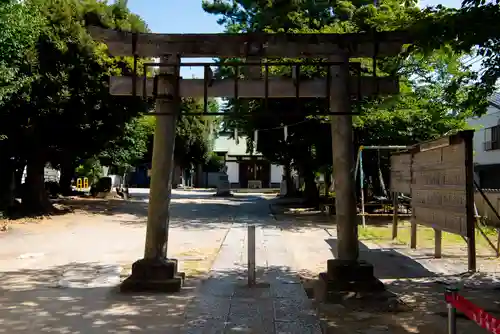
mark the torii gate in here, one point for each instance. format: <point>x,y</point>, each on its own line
<point>155,271</point>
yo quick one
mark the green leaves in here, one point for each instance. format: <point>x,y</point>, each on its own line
<point>435,86</point>
<point>194,133</point>
<point>19,30</point>
<point>128,149</point>
<point>63,109</point>
<point>474,27</point>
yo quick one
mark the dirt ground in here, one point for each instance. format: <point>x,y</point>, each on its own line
<point>111,215</point>
<point>60,273</point>
<point>414,279</point>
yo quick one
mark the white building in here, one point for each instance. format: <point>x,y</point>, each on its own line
<point>246,170</point>
<point>487,145</point>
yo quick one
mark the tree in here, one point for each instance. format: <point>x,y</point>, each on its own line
<point>192,142</point>
<point>470,29</point>
<point>67,114</point>
<point>19,31</point>
<point>215,163</point>
<point>129,149</point>
<point>426,83</point>
<point>194,134</point>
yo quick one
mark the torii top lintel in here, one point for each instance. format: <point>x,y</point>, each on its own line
<point>380,44</point>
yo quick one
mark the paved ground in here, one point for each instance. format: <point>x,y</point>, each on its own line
<point>58,276</point>
<point>277,305</point>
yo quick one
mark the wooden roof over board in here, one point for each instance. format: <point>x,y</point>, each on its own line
<point>262,45</point>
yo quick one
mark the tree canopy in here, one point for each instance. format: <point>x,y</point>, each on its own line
<point>19,30</point>
<point>55,105</point>
<point>194,134</point>
<point>473,29</point>
<point>431,102</point>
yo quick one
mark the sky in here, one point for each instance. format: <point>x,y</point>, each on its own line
<point>177,16</point>
<point>187,16</point>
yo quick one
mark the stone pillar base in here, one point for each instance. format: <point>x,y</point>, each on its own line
<point>346,277</point>
<point>154,275</point>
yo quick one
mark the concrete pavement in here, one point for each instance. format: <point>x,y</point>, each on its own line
<point>278,304</point>
<point>59,276</point>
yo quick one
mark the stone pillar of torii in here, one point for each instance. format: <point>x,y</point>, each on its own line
<point>156,272</point>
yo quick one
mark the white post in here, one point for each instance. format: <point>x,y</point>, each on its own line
<point>251,256</point>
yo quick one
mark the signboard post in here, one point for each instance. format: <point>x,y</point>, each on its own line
<point>400,183</point>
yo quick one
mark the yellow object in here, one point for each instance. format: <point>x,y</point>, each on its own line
<point>82,183</point>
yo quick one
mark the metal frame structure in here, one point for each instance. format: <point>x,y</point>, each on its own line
<point>359,168</point>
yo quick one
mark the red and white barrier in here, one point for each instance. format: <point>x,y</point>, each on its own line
<point>471,311</point>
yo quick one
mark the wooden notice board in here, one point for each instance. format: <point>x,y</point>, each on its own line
<point>401,172</point>
<point>441,184</point>
<point>438,175</point>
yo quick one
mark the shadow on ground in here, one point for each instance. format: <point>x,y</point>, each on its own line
<point>293,209</point>
<point>30,302</point>
<point>420,290</point>
<point>190,209</point>
<point>36,301</point>
<point>277,304</point>
<point>426,297</point>
<point>33,301</point>
<point>388,263</point>
<point>426,314</point>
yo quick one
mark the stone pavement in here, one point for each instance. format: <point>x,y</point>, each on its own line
<point>278,304</point>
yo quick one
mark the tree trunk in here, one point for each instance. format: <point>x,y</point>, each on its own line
<point>199,177</point>
<point>328,183</point>
<point>124,185</point>
<point>67,173</point>
<point>19,175</point>
<point>7,184</point>
<point>311,193</point>
<point>290,186</point>
<point>35,197</point>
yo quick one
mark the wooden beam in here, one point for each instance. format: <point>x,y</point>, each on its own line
<point>241,45</point>
<point>247,88</point>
